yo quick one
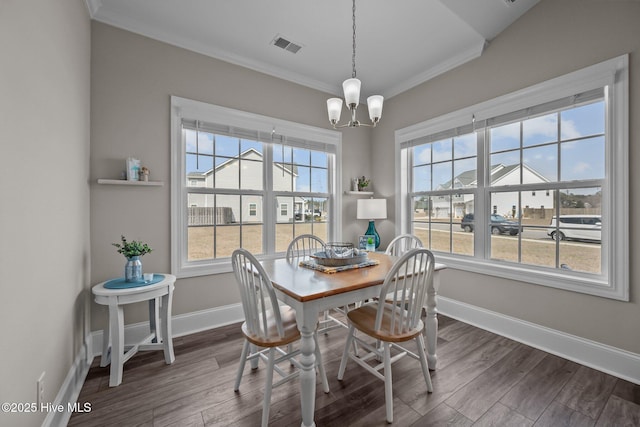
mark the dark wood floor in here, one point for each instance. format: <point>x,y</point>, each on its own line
<point>482,379</point>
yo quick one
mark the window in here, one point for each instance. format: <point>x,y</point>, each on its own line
<point>242,180</point>
<point>482,187</point>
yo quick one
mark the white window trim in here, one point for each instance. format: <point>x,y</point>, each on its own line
<point>614,74</point>
<point>196,110</point>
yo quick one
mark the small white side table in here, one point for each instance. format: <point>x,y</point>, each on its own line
<point>159,323</point>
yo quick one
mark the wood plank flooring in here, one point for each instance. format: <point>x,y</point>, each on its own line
<point>482,380</point>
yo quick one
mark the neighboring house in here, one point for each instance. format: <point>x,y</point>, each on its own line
<point>503,203</point>
<point>228,206</point>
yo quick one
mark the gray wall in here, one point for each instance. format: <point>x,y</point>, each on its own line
<point>44,188</point>
<point>132,79</point>
<point>552,39</point>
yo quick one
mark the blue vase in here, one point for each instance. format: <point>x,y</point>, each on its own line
<point>133,270</point>
<point>371,231</point>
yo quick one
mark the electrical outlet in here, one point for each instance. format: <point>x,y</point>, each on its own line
<point>40,389</point>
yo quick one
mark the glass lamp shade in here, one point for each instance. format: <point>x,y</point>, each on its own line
<point>375,107</point>
<point>334,108</point>
<point>351,89</point>
<point>371,209</point>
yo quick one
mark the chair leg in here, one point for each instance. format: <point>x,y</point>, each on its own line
<point>266,403</point>
<point>345,353</point>
<point>243,361</point>
<point>388,389</point>
<point>320,363</point>
<point>423,363</point>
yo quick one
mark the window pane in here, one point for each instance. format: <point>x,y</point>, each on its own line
<point>319,180</point>
<point>422,154</point>
<point>442,150</point>
<point>504,225</point>
<point>319,159</point>
<point>582,159</point>
<point>441,224</point>
<point>200,226</point>
<point>420,218</point>
<point>505,168</point>
<point>227,173</point>
<point>465,146</point>
<point>227,146</point>
<point>541,164</point>
<point>303,181</point>
<point>252,238</point>
<point>442,175</point>
<point>505,137</point>
<point>301,157</point>
<point>537,248</point>
<point>283,178</point>
<point>198,170</point>
<point>465,173</point>
<point>583,121</point>
<point>249,145</point>
<point>422,178</point>
<point>282,153</point>
<point>252,209</point>
<point>251,175</point>
<point>284,235</point>
<point>227,239</point>
<point>540,130</point>
<point>463,208</point>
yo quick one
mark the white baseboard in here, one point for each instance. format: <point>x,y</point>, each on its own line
<point>617,362</point>
<point>70,390</point>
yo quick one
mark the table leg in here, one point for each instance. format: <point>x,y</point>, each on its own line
<point>431,323</point>
<point>307,320</point>
<point>153,319</point>
<point>165,328</point>
<point>116,329</point>
<point>106,346</point>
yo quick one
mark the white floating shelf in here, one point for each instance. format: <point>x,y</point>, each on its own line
<point>359,193</point>
<point>126,182</point>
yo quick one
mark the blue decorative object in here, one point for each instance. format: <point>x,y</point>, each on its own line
<point>121,283</point>
<point>133,270</point>
<point>371,231</point>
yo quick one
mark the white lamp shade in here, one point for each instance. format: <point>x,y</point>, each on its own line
<point>375,107</point>
<point>371,209</point>
<point>351,89</point>
<point>334,108</point>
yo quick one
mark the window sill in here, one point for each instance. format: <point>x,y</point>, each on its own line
<point>581,283</point>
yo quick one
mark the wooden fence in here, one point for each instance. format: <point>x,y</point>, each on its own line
<point>210,216</point>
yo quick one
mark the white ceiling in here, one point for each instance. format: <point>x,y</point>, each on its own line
<point>399,43</point>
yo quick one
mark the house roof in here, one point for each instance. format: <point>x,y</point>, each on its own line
<point>498,172</point>
<point>244,154</point>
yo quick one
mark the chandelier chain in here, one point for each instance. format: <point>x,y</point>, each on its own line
<point>353,58</point>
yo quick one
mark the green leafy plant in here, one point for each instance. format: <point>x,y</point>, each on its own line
<point>132,248</point>
<point>363,183</point>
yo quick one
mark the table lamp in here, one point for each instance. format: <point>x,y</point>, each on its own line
<point>372,209</point>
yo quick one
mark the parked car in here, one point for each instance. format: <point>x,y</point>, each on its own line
<point>578,227</point>
<point>499,225</point>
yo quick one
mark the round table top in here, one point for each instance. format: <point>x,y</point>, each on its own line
<point>100,290</point>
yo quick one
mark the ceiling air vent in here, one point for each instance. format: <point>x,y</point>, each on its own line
<point>285,44</point>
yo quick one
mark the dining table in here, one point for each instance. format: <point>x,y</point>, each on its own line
<point>310,292</point>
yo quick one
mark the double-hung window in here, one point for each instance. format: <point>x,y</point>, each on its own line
<point>244,180</point>
<point>531,186</point>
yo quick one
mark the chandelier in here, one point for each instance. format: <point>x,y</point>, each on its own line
<point>351,88</point>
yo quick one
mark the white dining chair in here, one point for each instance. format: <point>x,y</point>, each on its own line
<point>393,322</point>
<point>267,327</point>
<point>299,249</point>
<point>401,244</point>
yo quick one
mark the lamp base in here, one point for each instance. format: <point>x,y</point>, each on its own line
<point>371,231</point>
